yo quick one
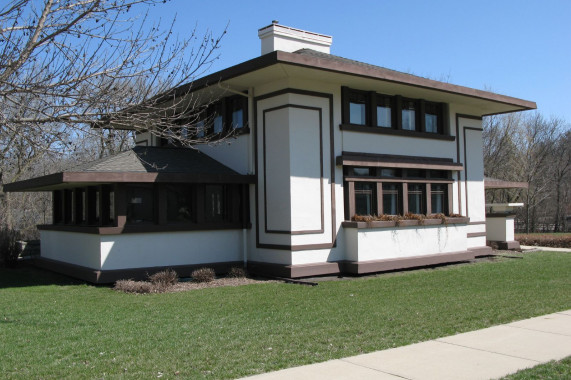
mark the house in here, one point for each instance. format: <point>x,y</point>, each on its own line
<point>320,142</point>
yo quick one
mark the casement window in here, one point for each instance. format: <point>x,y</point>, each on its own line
<point>144,204</point>
<point>215,121</point>
<point>365,111</point>
<point>408,115</point>
<point>396,191</point>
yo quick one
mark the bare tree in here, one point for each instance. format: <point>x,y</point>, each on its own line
<point>67,66</point>
<point>83,61</point>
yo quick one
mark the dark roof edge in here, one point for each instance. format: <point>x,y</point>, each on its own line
<point>349,68</point>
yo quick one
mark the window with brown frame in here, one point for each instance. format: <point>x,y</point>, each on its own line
<point>396,191</point>
<point>392,114</point>
<point>207,205</point>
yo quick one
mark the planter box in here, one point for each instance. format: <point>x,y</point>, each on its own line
<point>404,223</point>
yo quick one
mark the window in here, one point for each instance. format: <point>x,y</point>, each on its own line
<point>214,205</point>
<point>408,115</point>
<point>392,114</point>
<point>384,111</point>
<point>439,201</point>
<point>357,108</point>
<point>180,207</point>
<point>238,109</point>
<point>365,198</point>
<point>431,117</point>
<point>416,198</point>
<point>391,198</point>
<point>140,204</point>
<point>395,191</point>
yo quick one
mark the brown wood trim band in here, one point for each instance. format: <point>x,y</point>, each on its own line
<point>96,276</point>
<point>143,228</point>
<point>355,267</point>
<point>476,223</point>
<point>394,132</point>
<point>501,215</point>
<point>476,234</point>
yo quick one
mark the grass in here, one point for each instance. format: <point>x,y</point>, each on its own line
<point>52,328</point>
<point>553,370</point>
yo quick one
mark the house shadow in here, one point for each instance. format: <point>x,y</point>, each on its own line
<point>24,274</point>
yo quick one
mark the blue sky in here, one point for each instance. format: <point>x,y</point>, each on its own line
<point>520,48</point>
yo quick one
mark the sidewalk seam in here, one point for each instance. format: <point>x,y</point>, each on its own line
<point>488,351</point>
<point>536,330</point>
<point>374,369</point>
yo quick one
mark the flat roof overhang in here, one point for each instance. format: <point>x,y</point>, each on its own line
<point>64,180</point>
<point>352,73</point>
<point>397,161</point>
<point>281,65</point>
<point>494,183</point>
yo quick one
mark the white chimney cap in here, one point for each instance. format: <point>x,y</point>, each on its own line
<point>288,39</point>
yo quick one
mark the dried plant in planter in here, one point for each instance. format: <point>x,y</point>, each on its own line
<point>419,217</point>
<point>363,218</point>
<point>440,216</point>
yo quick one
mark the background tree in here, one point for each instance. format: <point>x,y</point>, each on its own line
<point>69,65</point>
<point>527,147</point>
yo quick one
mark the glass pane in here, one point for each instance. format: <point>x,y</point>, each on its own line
<point>179,204</point>
<point>438,199</point>
<point>214,203</point>
<point>384,117</point>
<point>200,129</point>
<point>431,123</point>
<point>392,173</point>
<point>361,172</point>
<point>415,203</point>
<point>391,204</point>
<point>357,112</point>
<point>238,118</point>
<point>140,204</point>
<point>409,120</point>
<point>218,125</point>
<point>365,195</point>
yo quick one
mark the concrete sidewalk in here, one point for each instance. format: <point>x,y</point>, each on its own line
<point>482,354</point>
<point>536,248</point>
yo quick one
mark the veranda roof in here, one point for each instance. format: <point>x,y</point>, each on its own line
<point>140,164</point>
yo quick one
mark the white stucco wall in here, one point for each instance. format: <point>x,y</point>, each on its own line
<point>108,252</point>
<point>391,243</point>
<point>232,152</point>
<point>71,247</point>
<point>500,228</point>
<point>170,248</point>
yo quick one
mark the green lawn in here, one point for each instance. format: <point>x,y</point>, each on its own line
<point>52,328</point>
<point>554,370</point>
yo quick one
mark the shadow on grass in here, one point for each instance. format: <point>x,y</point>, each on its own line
<point>24,275</point>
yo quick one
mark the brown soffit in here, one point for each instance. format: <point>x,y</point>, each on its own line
<point>492,183</point>
<point>396,161</point>
<point>70,179</point>
<point>350,68</point>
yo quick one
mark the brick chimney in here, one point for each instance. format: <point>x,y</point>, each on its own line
<point>288,39</point>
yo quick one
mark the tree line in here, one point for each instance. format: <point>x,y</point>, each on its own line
<point>529,147</point>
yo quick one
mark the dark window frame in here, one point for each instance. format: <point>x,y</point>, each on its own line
<point>407,177</point>
<point>397,103</point>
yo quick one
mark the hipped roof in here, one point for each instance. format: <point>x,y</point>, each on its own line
<point>140,165</point>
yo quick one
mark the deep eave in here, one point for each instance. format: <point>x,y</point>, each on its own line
<point>339,65</point>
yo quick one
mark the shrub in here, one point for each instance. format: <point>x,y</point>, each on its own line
<point>545,240</point>
<point>236,272</point>
<point>410,216</point>
<point>203,275</point>
<point>139,287</point>
<point>9,246</point>
<point>164,279</point>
